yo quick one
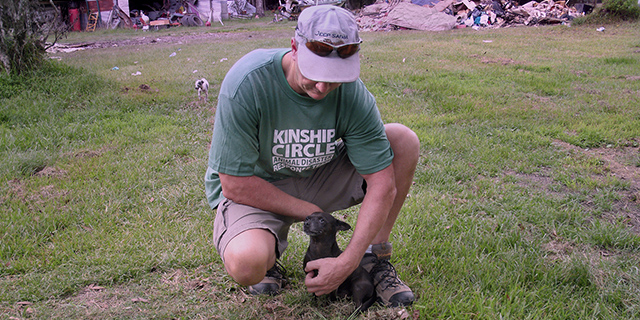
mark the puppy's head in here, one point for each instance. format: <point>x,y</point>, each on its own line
<point>322,223</point>
<point>199,84</point>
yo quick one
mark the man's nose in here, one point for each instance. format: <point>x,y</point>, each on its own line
<point>324,87</point>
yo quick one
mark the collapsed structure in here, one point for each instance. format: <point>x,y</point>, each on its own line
<point>429,15</point>
<point>435,15</point>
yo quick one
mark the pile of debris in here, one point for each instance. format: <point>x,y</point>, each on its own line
<point>171,13</point>
<point>439,15</point>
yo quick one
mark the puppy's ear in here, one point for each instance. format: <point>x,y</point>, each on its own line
<point>342,226</point>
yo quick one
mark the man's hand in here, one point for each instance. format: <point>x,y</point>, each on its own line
<point>331,273</point>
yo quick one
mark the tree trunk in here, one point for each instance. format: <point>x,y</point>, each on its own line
<point>260,8</point>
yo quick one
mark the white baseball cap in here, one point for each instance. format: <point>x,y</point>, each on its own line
<point>320,29</point>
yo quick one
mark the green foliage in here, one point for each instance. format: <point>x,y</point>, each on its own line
<point>612,11</point>
<point>24,28</point>
<point>622,9</point>
<point>43,112</point>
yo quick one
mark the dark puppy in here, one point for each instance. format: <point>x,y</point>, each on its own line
<point>322,228</point>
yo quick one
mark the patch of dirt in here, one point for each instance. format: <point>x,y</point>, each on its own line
<point>88,153</point>
<point>145,88</point>
<point>502,61</point>
<point>17,189</point>
<point>620,163</point>
<point>541,180</point>
<point>169,292</point>
<point>51,172</point>
<point>618,160</point>
<point>45,194</point>
<point>149,38</point>
<point>201,291</point>
<point>559,247</point>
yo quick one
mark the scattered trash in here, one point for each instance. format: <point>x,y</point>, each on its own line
<point>115,68</point>
<point>171,13</point>
<point>195,71</point>
<point>223,59</point>
<point>241,9</point>
<point>136,74</point>
<point>290,9</point>
<point>172,55</point>
<point>601,29</point>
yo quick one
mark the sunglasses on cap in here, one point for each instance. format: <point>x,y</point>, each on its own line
<point>324,49</point>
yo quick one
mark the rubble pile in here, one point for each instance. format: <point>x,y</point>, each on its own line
<point>436,15</point>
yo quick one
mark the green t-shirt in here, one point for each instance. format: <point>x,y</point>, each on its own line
<point>264,128</point>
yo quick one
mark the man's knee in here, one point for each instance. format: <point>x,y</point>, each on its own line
<point>403,140</point>
<point>245,271</point>
<point>248,256</point>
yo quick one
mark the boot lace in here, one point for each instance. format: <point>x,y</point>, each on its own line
<point>277,271</point>
<point>385,275</point>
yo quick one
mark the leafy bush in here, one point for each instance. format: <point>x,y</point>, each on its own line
<point>24,29</point>
<point>623,9</point>
<point>612,11</point>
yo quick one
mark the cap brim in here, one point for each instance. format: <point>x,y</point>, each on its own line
<point>328,69</point>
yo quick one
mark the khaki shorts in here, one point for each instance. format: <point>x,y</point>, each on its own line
<point>332,187</point>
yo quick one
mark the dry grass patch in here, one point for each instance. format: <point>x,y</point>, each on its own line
<point>619,163</point>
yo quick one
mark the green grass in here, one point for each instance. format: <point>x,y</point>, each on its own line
<point>525,202</point>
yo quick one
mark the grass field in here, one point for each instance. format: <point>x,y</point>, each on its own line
<point>526,202</point>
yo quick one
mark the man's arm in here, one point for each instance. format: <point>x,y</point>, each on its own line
<point>374,210</point>
<point>257,192</point>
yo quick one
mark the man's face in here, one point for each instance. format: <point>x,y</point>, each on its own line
<point>307,87</point>
<point>314,89</point>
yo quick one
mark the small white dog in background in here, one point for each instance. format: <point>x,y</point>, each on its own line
<point>202,85</point>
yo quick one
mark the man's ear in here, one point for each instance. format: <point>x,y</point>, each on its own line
<point>294,46</point>
<point>342,226</point>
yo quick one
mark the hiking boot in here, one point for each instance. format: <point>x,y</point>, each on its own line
<point>272,283</point>
<point>390,289</point>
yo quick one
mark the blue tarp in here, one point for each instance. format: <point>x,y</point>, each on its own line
<point>426,2</point>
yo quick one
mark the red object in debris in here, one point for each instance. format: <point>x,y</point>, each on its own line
<point>208,24</point>
<point>74,19</point>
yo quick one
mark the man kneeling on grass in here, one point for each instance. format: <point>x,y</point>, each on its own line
<point>297,132</point>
